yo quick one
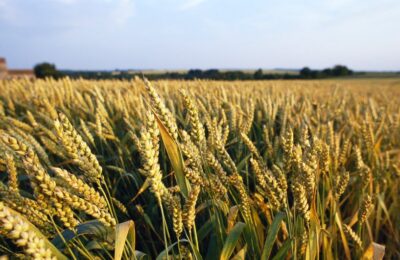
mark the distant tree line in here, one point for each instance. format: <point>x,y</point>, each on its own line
<point>44,70</point>
<point>336,71</point>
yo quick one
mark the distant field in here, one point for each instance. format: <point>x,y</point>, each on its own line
<point>160,73</point>
<point>283,169</point>
<point>250,71</point>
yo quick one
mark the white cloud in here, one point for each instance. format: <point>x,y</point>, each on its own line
<point>66,1</point>
<point>338,4</point>
<point>7,11</point>
<point>104,13</point>
<point>123,11</point>
<point>189,4</point>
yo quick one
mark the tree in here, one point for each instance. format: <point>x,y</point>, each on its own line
<point>305,73</point>
<point>258,74</point>
<point>327,72</point>
<point>194,74</point>
<point>212,74</point>
<point>46,70</point>
<point>340,70</point>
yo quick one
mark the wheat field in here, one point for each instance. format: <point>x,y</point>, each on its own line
<point>200,169</point>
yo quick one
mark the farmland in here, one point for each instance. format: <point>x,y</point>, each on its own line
<point>200,169</point>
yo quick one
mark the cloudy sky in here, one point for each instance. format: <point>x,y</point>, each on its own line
<point>182,34</point>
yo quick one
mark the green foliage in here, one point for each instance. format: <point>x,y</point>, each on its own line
<point>336,71</point>
<point>214,74</point>
<point>46,70</point>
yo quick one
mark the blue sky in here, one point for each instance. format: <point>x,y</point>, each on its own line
<point>179,34</point>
